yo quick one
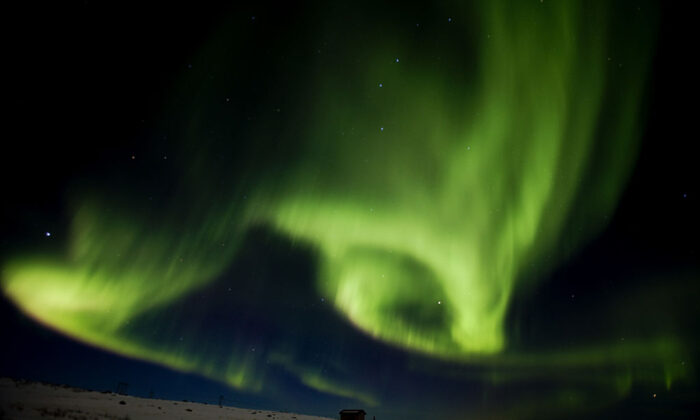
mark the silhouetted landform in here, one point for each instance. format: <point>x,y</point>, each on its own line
<point>28,400</point>
<point>354,414</point>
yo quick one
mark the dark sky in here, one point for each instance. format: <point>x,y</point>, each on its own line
<point>141,137</point>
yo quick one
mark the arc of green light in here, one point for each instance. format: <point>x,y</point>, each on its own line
<point>455,217</point>
<point>448,209</point>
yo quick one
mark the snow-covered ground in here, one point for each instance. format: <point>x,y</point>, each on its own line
<point>32,400</point>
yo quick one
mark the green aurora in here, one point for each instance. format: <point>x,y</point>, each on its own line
<point>429,201</point>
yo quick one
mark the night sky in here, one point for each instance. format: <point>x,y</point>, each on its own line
<point>440,210</point>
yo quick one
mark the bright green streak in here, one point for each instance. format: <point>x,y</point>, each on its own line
<point>118,268</point>
<point>448,205</point>
<point>424,230</point>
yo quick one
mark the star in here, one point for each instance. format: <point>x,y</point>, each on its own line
<point>47,234</point>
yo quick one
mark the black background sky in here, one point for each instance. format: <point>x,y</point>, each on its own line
<point>86,84</point>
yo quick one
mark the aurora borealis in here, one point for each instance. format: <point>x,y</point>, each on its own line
<point>427,210</point>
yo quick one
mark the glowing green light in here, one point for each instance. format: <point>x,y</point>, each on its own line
<point>453,205</point>
<point>424,228</point>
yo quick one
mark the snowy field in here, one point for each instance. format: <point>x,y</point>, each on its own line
<point>31,400</point>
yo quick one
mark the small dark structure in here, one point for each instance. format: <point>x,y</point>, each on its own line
<point>352,414</point>
<point>123,388</point>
